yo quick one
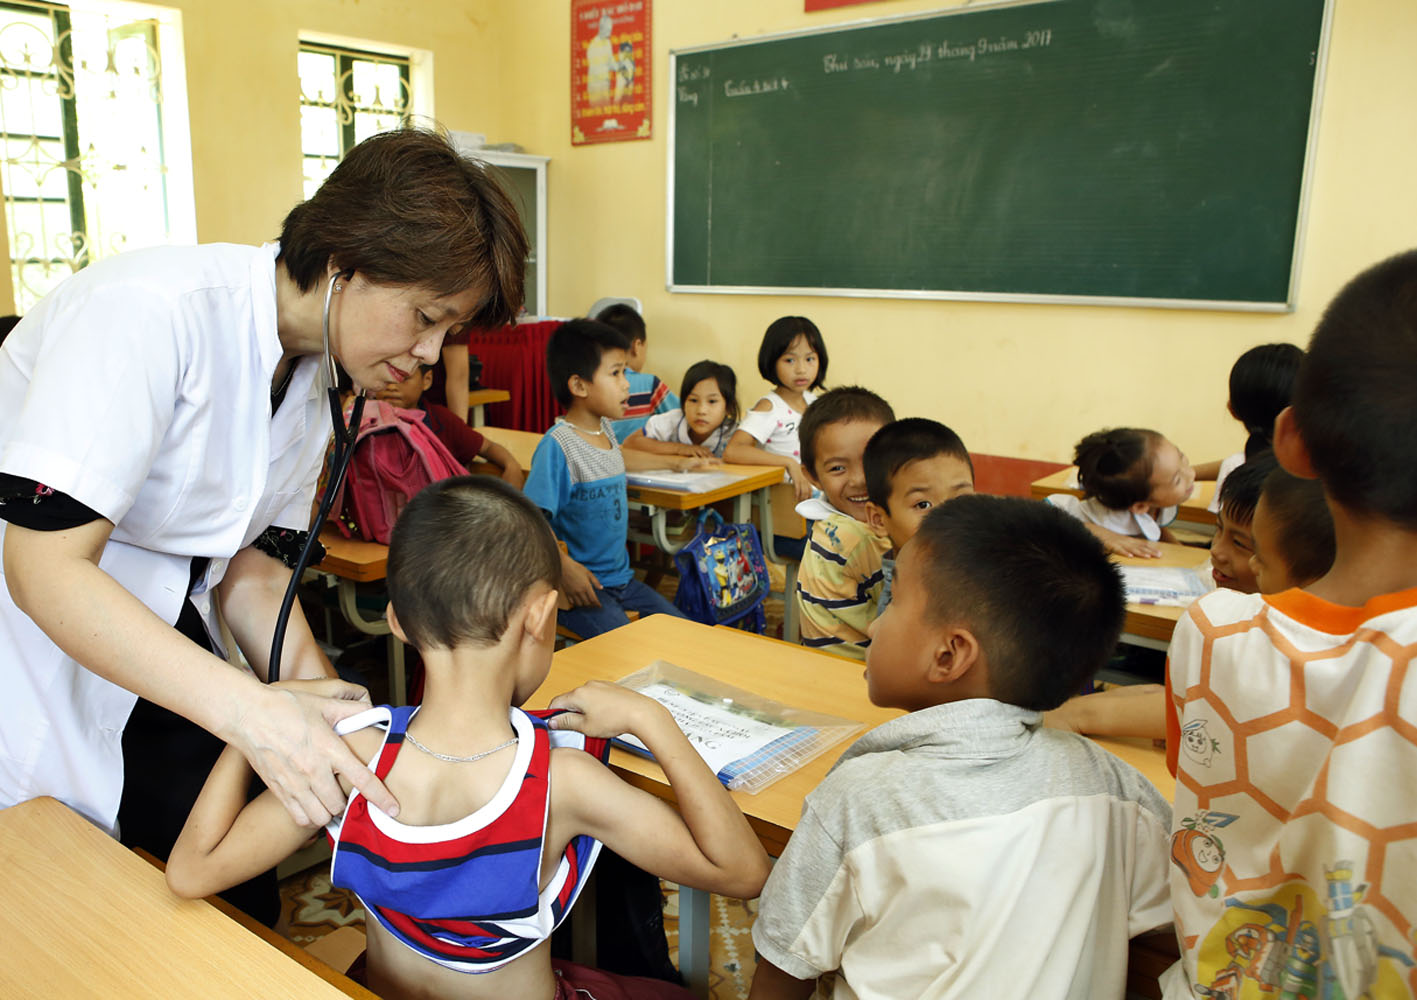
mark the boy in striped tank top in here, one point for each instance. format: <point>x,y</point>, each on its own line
<point>501,812</point>
<point>1292,724</point>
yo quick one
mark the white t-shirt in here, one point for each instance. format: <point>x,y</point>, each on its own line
<point>776,428</point>
<point>672,427</point>
<point>141,387</point>
<point>1123,522</point>
<point>1227,466</point>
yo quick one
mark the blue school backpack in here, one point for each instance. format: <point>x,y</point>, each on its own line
<point>723,579</point>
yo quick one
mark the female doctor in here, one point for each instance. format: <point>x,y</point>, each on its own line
<point>166,426</point>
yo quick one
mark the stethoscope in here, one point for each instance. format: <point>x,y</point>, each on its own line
<point>345,435</point>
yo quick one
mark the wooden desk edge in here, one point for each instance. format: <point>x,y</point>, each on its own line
<point>284,945</point>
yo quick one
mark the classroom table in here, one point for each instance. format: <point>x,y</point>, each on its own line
<point>794,675</point>
<point>81,915</point>
<point>1196,509</point>
<point>1151,625</point>
<point>477,400</point>
<point>656,503</point>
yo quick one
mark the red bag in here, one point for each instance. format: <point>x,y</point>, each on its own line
<point>395,456</point>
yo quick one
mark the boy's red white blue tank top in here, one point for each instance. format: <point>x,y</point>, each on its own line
<point>464,894</point>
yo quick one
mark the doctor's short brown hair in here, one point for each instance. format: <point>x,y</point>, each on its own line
<point>405,208</point>
<point>463,556</point>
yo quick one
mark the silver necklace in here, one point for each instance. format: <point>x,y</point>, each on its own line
<point>457,760</point>
<point>599,433</point>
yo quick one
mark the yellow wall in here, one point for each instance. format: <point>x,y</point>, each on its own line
<point>1012,379</point>
<point>243,91</point>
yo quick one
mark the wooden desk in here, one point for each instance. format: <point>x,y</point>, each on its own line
<point>81,915</point>
<point>791,674</point>
<point>477,399</point>
<point>522,444</point>
<point>1195,510</point>
<point>1151,625</point>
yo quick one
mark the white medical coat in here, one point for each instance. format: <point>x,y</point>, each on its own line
<point>141,388</point>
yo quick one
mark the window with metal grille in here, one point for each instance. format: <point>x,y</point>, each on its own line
<point>346,95</point>
<point>93,159</point>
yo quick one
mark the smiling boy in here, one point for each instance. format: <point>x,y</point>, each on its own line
<point>840,581</point>
<point>912,465</point>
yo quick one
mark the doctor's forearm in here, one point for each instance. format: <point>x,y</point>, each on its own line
<point>251,595</point>
<point>55,579</point>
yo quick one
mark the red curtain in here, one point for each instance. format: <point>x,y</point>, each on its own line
<point>514,358</point>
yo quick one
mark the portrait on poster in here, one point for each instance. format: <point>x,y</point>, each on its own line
<point>610,70</point>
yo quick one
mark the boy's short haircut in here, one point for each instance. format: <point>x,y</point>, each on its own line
<point>575,349</point>
<point>1353,399</point>
<point>844,403</point>
<point>1261,383</point>
<point>463,555</point>
<point>1241,490</point>
<point>903,441</point>
<point>779,337</point>
<point>1033,585</point>
<point>1115,465</point>
<point>625,319</point>
<point>727,385</point>
<point>1303,525</point>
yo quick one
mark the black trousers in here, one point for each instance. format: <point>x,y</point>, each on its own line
<point>166,760</point>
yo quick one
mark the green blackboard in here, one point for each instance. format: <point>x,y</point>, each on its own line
<point>1090,150</point>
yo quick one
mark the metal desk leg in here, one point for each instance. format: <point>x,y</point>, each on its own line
<point>349,607</point>
<point>694,939</point>
<point>659,528</point>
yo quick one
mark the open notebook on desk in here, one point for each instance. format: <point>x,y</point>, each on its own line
<point>747,740</point>
<point>684,482</point>
<point>1175,586</point>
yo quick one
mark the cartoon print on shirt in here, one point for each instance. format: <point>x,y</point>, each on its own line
<point>1287,956</point>
<point>1197,850</point>
<point>1197,743</point>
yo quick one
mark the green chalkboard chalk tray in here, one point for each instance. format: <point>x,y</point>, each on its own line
<point>1102,151</point>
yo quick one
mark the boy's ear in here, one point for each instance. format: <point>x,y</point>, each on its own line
<point>578,386</point>
<point>876,519</point>
<point>1289,447</point>
<point>1140,507</point>
<point>955,653</point>
<point>394,626</point>
<point>427,379</point>
<point>541,614</point>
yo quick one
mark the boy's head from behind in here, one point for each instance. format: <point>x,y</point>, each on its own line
<point>584,357</point>
<point>1293,530</point>
<point>1354,398</point>
<point>631,324</point>
<point>995,597</point>
<point>832,437</point>
<point>407,393</point>
<point>465,555</point>
<point>1131,468</point>
<point>1234,542</point>
<point>1261,383</point>
<point>911,466</point>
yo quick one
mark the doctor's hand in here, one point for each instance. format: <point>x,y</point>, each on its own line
<point>286,731</point>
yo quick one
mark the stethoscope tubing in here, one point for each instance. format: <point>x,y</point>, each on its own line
<point>345,434</point>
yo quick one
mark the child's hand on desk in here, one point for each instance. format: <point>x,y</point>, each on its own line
<point>605,710</point>
<point>801,485</point>
<point>1126,545</point>
<point>578,584</point>
<point>695,451</point>
<point>513,475</point>
<point>695,462</point>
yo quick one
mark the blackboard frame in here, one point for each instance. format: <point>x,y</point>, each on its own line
<point>1288,305</point>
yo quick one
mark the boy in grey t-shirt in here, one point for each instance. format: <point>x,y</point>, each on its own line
<point>962,850</point>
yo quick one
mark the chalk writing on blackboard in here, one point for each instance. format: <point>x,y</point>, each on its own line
<point>947,49</point>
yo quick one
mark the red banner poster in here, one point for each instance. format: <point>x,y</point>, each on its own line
<point>610,70</point>
<point>812,5</point>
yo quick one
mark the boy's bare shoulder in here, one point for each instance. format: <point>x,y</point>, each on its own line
<point>365,744</point>
<point>762,405</point>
